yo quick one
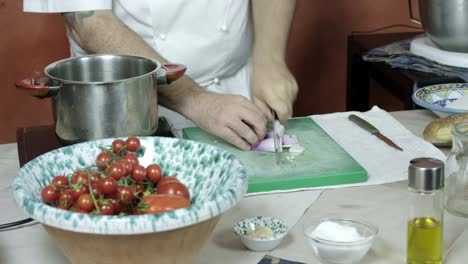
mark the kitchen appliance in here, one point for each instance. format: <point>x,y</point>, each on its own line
<point>103,96</point>
<point>323,162</point>
<point>445,22</point>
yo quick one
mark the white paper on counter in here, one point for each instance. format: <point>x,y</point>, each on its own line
<point>383,163</point>
<point>10,211</point>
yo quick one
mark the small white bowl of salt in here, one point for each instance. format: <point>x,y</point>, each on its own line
<point>340,241</point>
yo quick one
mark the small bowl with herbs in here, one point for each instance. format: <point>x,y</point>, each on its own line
<point>261,233</point>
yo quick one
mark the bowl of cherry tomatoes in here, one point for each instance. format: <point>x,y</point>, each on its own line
<point>136,198</point>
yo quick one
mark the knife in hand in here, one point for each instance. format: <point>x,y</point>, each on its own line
<point>373,130</point>
<point>278,131</point>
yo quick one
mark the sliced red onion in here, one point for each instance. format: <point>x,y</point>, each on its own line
<point>268,143</point>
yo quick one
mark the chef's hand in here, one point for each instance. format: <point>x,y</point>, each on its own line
<point>274,88</point>
<point>231,117</point>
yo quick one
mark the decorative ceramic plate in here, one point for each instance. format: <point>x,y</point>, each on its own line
<point>436,97</point>
<point>216,180</point>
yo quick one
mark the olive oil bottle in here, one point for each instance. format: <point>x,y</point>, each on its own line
<point>426,208</point>
<point>424,241</point>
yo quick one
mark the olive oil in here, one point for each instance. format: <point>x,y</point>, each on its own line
<point>424,241</point>
<point>426,211</point>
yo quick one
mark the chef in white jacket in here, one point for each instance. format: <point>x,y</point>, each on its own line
<point>234,49</point>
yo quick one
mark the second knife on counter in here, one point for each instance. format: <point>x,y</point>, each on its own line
<point>373,130</point>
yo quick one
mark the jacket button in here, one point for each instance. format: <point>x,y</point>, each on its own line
<point>223,28</point>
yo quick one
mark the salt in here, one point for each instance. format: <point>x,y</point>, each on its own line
<point>335,232</point>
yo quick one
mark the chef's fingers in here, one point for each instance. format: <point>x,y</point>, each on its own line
<point>244,131</point>
<point>257,123</point>
<point>282,109</point>
<point>230,136</point>
<point>284,112</point>
<point>265,109</point>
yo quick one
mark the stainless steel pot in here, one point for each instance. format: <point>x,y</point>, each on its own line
<point>102,96</point>
<point>445,22</point>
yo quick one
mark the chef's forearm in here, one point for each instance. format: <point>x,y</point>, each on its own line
<point>102,32</point>
<point>272,21</point>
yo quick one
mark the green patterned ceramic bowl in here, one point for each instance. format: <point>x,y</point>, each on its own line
<point>215,178</point>
<point>247,229</point>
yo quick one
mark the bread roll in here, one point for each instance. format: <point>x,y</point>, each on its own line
<point>439,132</point>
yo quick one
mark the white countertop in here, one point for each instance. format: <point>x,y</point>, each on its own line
<point>384,205</point>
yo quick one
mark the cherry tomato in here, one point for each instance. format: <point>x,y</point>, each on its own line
<point>153,172</point>
<point>116,204</point>
<point>108,185</point>
<point>76,193</point>
<point>127,210</point>
<point>60,182</point>
<point>81,211</point>
<point>117,146</point>
<point>138,173</point>
<point>49,194</point>
<point>80,176</point>
<point>95,177</point>
<point>133,144</point>
<point>128,166</point>
<point>167,179</point>
<point>106,208</point>
<point>124,194</point>
<point>103,160</point>
<point>174,188</point>
<point>66,198</point>
<point>116,171</point>
<point>59,206</point>
<point>97,191</point>
<point>157,203</point>
<point>85,202</point>
<point>139,187</point>
<point>131,158</point>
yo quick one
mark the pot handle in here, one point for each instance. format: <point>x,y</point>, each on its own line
<point>39,87</point>
<point>412,17</point>
<point>169,73</point>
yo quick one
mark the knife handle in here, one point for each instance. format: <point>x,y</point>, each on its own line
<point>363,124</point>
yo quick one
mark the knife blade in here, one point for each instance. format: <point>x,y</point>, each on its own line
<point>373,130</point>
<point>278,131</point>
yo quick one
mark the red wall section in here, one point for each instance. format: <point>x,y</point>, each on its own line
<point>28,43</point>
<point>317,52</point>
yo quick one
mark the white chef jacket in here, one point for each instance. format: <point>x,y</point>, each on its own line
<point>212,38</point>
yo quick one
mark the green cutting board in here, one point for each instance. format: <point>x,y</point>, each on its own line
<point>323,163</point>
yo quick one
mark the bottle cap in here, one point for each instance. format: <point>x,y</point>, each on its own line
<point>426,174</point>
